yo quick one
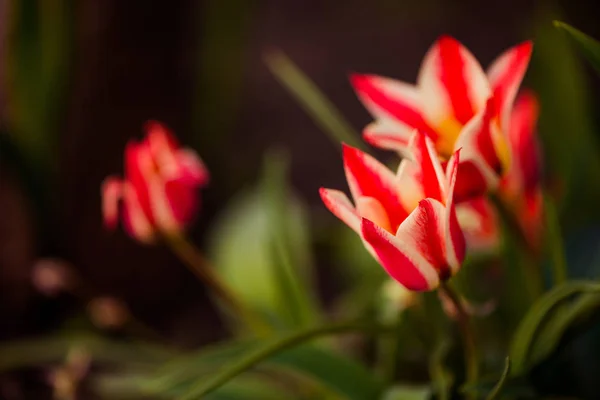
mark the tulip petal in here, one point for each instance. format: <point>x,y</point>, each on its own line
<point>338,203</point>
<point>479,224</point>
<point>455,240</point>
<point>134,219</point>
<point>452,83</point>
<point>524,172</point>
<point>391,100</point>
<point>387,134</point>
<point>402,262</point>
<point>191,168</point>
<point>505,75</point>
<point>112,191</point>
<point>479,141</point>
<point>430,172</point>
<point>371,209</point>
<point>138,167</point>
<point>367,177</point>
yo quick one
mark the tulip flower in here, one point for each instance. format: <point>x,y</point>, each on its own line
<point>520,188</point>
<point>456,104</point>
<point>406,220</point>
<point>159,192</point>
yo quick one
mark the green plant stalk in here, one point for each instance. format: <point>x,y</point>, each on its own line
<point>533,276</point>
<point>497,389</point>
<point>279,345</point>
<point>555,243</point>
<point>388,349</point>
<point>200,267</point>
<point>464,324</point>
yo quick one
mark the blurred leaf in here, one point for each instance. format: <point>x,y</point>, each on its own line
<point>39,50</point>
<point>314,102</point>
<point>261,246</point>
<point>123,385</point>
<point>554,243</point>
<point>571,160</point>
<point>564,319</point>
<point>441,376</point>
<point>53,349</point>
<point>588,46</point>
<point>406,392</point>
<point>497,389</point>
<point>535,320</point>
<point>342,375</point>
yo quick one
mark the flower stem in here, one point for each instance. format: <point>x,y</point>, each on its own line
<point>464,324</point>
<point>200,266</point>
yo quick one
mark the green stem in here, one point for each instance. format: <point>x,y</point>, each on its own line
<point>497,389</point>
<point>388,346</point>
<point>198,265</point>
<point>206,386</point>
<point>555,243</point>
<point>533,276</point>
<point>464,324</point>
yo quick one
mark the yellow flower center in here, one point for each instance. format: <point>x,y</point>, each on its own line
<point>448,131</point>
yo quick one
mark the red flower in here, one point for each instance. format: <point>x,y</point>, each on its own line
<point>160,188</point>
<point>455,104</point>
<point>406,220</point>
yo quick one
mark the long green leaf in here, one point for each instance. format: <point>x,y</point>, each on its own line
<point>587,45</point>
<point>565,319</point>
<point>268,350</point>
<point>324,113</point>
<point>538,314</point>
<point>497,390</point>
<point>554,243</point>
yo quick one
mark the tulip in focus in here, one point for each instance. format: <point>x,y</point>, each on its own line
<point>406,220</point>
<point>456,104</point>
<point>159,191</point>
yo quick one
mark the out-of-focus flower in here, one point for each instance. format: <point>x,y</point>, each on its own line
<point>160,187</point>
<point>108,312</point>
<point>456,104</point>
<point>51,276</point>
<point>406,220</point>
<point>395,299</point>
<point>521,186</point>
<point>479,222</point>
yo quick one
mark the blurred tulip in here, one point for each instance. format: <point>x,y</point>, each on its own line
<point>50,276</point>
<point>478,219</point>
<point>160,188</point>
<point>108,312</point>
<point>521,186</point>
<point>406,220</point>
<point>456,104</point>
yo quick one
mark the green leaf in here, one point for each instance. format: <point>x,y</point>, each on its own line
<point>554,243</point>
<point>53,349</point>
<point>345,378</point>
<point>261,247</point>
<point>405,392</point>
<point>564,319</point>
<point>497,389</point>
<point>541,311</point>
<point>587,45</point>
<point>38,59</point>
<point>323,112</point>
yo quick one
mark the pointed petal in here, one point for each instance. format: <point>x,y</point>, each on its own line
<point>387,134</point>
<point>454,237</point>
<point>479,224</point>
<point>339,204</point>
<point>135,222</point>
<point>403,263</point>
<point>371,209</point>
<point>505,75</point>
<point>138,167</point>
<point>367,177</point>
<point>112,191</point>
<point>429,173</point>
<point>452,83</point>
<point>524,172</point>
<point>480,141</point>
<point>191,168</point>
<point>391,100</point>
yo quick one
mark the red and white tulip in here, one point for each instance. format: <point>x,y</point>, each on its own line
<point>159,192</point>
<point>407,220</point>
<point>456,104</point>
